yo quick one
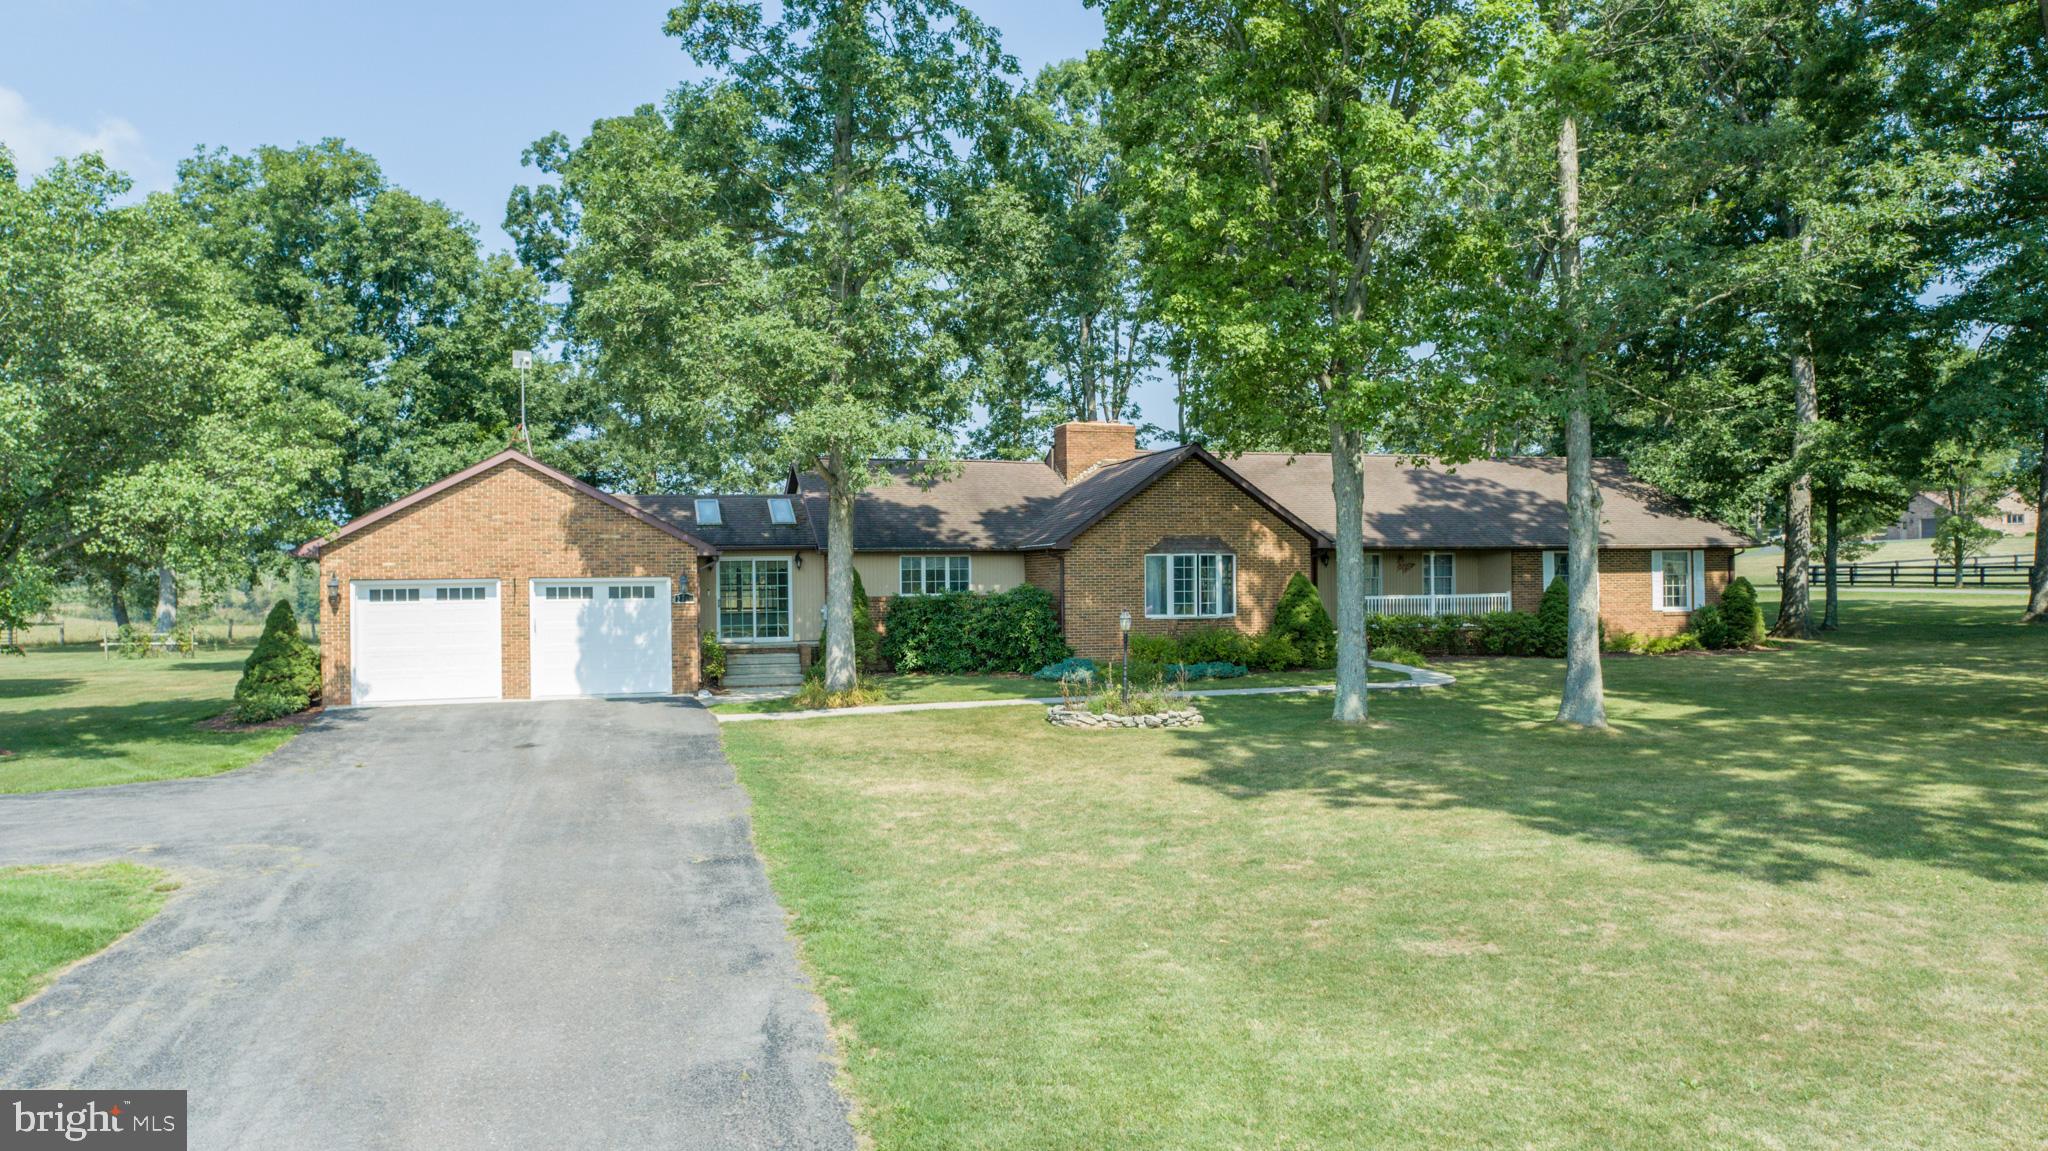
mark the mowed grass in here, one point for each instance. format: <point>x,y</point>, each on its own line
<point>957,688</point>
<point>51,917</point>
<point>1795,900</point>
<point>78,719</point>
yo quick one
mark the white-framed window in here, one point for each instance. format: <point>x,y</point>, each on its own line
<point>709,514</point>
<point>2015,517</point>
<point>781,510</point>
<point>1678,580</point>
<point>445,594</point>
<point>1556,566</point>
<point>1439,573</point>
<point>933,575</point>
<point>1375,575</point>
<point>394,595</point>
<point>630,591</point>
<point>1190,585</point>
<point>569,591</point>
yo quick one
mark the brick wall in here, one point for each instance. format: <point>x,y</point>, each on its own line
<point>1042,570</point>
<point>1625,588</point>
<point>1105,567</point>
<point>510,524</point>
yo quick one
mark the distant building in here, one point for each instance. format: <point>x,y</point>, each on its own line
<point>2013,516</point>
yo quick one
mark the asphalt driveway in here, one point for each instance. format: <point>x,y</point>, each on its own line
<point>500,925</point>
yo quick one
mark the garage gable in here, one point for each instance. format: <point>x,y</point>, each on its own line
<point>438,596</point>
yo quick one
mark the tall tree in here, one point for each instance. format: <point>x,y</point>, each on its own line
<point>1301,172</point>
<point>413,326</point>
<point>1973,80</point>
<point>793,199</point>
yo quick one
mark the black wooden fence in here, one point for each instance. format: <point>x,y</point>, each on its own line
<point>1977,571</point>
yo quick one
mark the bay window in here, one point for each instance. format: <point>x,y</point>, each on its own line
<point>1190,585</point>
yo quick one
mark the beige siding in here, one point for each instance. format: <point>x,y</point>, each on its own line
<point>881,573</point>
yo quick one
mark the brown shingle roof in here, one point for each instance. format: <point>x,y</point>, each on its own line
<point>1502,503</point>
<point>745,521</point>
<point>984,505</point>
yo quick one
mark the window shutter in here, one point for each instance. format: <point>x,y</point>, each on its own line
<point>1699,578</point>
<point>1549,569</point>
<point>1657,581</point>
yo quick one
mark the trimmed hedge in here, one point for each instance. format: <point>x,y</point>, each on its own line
<point>1742,614</point>
<point>1302,619</point>
<point>1554,619</point>
<point>1708,624</point>
<point>962,633</point>
<point>282,675</point>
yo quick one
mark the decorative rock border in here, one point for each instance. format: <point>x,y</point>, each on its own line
<point>1062,716</point>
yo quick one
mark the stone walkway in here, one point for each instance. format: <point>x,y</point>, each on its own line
<point>1418,677</point>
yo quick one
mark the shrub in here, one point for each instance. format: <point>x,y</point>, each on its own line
<point>1078,667</point>
<point>1623,642</point>
<point>1151,700</point>
<point>1213,669</point>
<point>1452,635</point>
<point>1666,644</point>
<point>1554,619</point>
<point>1401,655</point>
<point>1510,633</point>
<point>1740,612</point>
<point>1154,648</point>
<point>961,633</point>
<point>1301,619</point>
<point>1274,652</point>
<point>1708,624</point>
<point>282,675</point>
<point>1216,645</point>
<point>867,642</point>
<point>812,696</point>
<point>135,641</point>
<point>711,658</point>
<point>1409,631</point>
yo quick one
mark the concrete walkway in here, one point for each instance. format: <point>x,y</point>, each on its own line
<point>1418,677</point>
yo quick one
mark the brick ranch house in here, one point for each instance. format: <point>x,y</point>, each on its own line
<point>512,580</point>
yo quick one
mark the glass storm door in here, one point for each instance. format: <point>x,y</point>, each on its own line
<point>753,600</point>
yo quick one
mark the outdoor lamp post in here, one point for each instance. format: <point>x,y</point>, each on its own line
<point>1123,623</point>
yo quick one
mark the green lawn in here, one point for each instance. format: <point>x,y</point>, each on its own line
<point>955,688</point>
<point>1794,900</point>
<point>54,916</point>
<point>78,719</point>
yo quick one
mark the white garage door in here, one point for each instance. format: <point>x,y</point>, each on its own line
<point>425,642</point>
<point>601,637</point>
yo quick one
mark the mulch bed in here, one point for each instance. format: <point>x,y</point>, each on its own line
<point>226,721</point>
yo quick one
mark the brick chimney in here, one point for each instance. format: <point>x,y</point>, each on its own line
<point>1078,446</point>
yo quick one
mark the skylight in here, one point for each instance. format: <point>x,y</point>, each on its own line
<point>708,513</point>
<point>781,511</point>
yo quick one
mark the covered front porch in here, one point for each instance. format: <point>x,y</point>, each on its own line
<point>1435,583</point>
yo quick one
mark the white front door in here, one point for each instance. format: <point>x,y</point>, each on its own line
<point>601,637</point>
<point>419,641</point>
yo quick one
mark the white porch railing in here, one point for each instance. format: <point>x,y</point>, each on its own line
<point>1472,603</point>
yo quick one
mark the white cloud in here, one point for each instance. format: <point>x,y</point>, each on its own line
<point>36,141</point>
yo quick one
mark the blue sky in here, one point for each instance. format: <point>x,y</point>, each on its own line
<point>445,95</point>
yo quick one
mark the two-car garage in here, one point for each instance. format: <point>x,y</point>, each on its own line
<point>509,580</point>
<point>442,641</point>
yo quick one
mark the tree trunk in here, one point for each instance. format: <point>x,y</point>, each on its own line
<point>1585,689</point>
<point>2037,580</point>
<point>839,668</point>
<point>1830,617</point>
<point>1794,609</point>
<point>1347,485</point>
<point>117,599</point>
<point>166,599</point>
